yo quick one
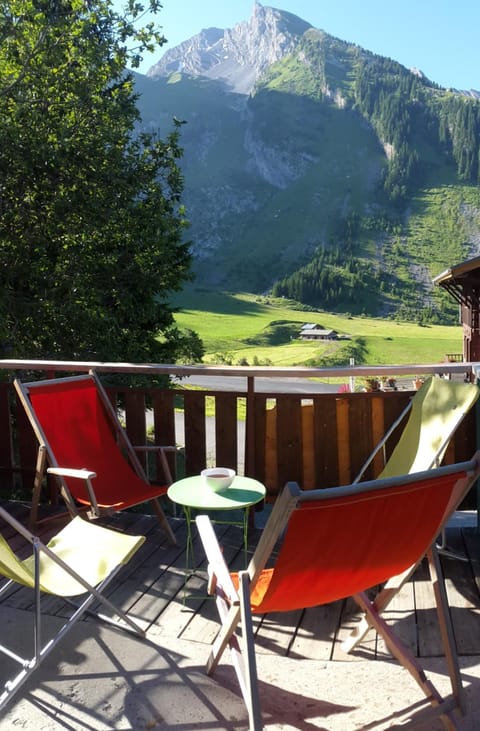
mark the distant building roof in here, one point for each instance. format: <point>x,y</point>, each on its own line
<point>458,271</point>
<point>462,281</point>
<point>316,332</point>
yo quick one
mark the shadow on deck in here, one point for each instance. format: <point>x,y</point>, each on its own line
<point>100,679</point>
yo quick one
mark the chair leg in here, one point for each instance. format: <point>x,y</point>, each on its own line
<point>381,602</point>
<point>41,647</point>
<point>242,654</point>
<point>445,626</point>
<point>164,522</point>
<point>229,617</point>
<point>37,485</point>
<point>442,707</point>
<point>448,552</point>
<point>250,664</point>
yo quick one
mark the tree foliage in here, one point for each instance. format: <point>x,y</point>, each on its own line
<point>402,107</point>
<point>334,279</point>
<point>91,221</point>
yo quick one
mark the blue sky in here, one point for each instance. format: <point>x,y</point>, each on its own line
<point>440,37</point>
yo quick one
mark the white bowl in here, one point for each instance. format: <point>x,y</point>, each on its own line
<point>218,478</point>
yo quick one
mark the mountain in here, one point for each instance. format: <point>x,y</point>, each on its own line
<point>238,57</point>
<point>317,170</point>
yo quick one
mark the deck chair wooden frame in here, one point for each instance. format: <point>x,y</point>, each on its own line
<point>80,561</point>
<point>434,413</point>
<point>335,543</point>
<point>80,465</point>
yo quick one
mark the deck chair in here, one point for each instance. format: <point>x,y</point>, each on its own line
<point>80,561</point>
<point>434,413</point>
<point>339,542</point>
<point>87,450</point>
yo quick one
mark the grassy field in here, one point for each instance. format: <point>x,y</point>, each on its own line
<point>255,330</point>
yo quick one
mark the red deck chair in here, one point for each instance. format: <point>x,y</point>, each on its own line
<point>339,542</point>
<point>86,448</point>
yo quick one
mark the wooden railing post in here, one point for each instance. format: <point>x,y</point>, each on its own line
<point>250,466</point>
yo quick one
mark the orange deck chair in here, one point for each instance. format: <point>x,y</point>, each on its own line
<point>340,542</point>
<point>87,450</point>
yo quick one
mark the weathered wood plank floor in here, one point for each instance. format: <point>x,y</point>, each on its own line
<point>153,589</point>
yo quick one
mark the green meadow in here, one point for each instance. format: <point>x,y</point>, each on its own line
<point>256,330</point>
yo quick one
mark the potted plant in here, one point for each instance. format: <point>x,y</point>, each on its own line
<point>388,382</point>
<point>372,384</point>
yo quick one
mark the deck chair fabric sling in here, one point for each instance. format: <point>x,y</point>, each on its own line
<point>86,448</point>
<point>339,542</point>
<point>80,561</point>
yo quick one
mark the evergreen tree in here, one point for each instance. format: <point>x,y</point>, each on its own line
<point>91,221</point>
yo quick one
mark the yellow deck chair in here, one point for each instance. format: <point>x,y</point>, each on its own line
<point>336,543</point>
<point>429,421</point>
<point>81,560</point>
<point>434,413</point>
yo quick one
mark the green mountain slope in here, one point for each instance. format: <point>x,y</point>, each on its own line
<point>343,181</point>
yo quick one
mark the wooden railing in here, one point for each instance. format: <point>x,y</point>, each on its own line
<point>317,439</point>
<point>454,357</point>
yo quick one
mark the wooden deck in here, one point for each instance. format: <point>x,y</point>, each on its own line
<point>153,587</point>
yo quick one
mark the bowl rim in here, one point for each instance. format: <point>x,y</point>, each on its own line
<point>226,472</point>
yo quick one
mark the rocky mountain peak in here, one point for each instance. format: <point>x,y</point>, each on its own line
<point>237,55</point>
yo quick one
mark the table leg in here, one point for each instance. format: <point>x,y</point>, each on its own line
<point>190,555</point>
<point>189,552</point>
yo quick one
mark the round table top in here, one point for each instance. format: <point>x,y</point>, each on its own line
<point>193,492</point>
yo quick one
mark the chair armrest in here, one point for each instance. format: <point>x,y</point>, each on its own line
<point>163,458</point>
<point>217,566</point>
<point>81,474</point>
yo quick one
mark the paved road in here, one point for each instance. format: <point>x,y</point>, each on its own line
<point>273,385</point>
<point>262,385</point>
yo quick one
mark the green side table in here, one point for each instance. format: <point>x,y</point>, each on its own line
<point>193,494</point>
